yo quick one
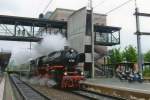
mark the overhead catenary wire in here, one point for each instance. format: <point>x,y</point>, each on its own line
<point>118,7</point>
<point>135,3</point>
<point>39,10</point>
<point>102,2</point>
<point>46,7</point>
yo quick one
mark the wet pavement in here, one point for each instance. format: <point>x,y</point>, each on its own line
<point>116,83</point>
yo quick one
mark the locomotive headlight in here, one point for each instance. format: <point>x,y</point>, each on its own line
<point>82,73</point>
<point>72,50</point>
<point>65,73</point>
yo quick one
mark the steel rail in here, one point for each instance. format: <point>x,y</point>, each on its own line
<point>95,96</point>
<point>26,91</point>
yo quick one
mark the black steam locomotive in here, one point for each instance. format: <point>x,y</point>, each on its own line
<point>67,58</point>
<point>62,66</point>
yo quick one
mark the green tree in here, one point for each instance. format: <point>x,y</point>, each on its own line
<point>116,56</point>
<point>146,71</point>
<point>147,56</point>
<point>130,54</point>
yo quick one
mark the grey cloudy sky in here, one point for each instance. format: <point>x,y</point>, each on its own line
<point>123,17</point>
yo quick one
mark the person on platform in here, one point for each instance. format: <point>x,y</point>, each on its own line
<point>120,72</point>
<point>136,72</point>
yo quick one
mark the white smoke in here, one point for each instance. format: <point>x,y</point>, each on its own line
<point>49,44</point>
<point>20,55</point>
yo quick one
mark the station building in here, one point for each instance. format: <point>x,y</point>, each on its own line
<point>79,35</point>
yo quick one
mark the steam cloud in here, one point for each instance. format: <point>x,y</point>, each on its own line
<point>49,44</point>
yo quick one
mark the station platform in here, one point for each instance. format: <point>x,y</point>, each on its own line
<point>2,83</point>
<point>114,82</point>
<point>121,88</point>
<point>6,90</point>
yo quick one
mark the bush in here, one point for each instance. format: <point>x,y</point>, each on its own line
<point>146,72</point>
<point>147,56</point>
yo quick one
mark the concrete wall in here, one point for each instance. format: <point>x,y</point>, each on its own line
<point>61,14</point>
<point>99,19</point>
<point>76,30</point>
<point>80,39</point>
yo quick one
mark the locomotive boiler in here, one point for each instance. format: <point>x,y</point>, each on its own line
<point>67,58</point>
<point>62,67</point>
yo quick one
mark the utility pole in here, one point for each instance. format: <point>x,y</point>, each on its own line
<point>92,39</point>
<point>140,58</point>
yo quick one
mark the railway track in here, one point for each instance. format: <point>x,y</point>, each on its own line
<point>27,92</point>
<point>35,92</point>
<point>95,96</point>
<point>75,94</point>
<point>58,94</point>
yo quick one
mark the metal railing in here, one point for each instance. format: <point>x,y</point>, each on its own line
<point>107,39</point>
<point>106,70</point>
